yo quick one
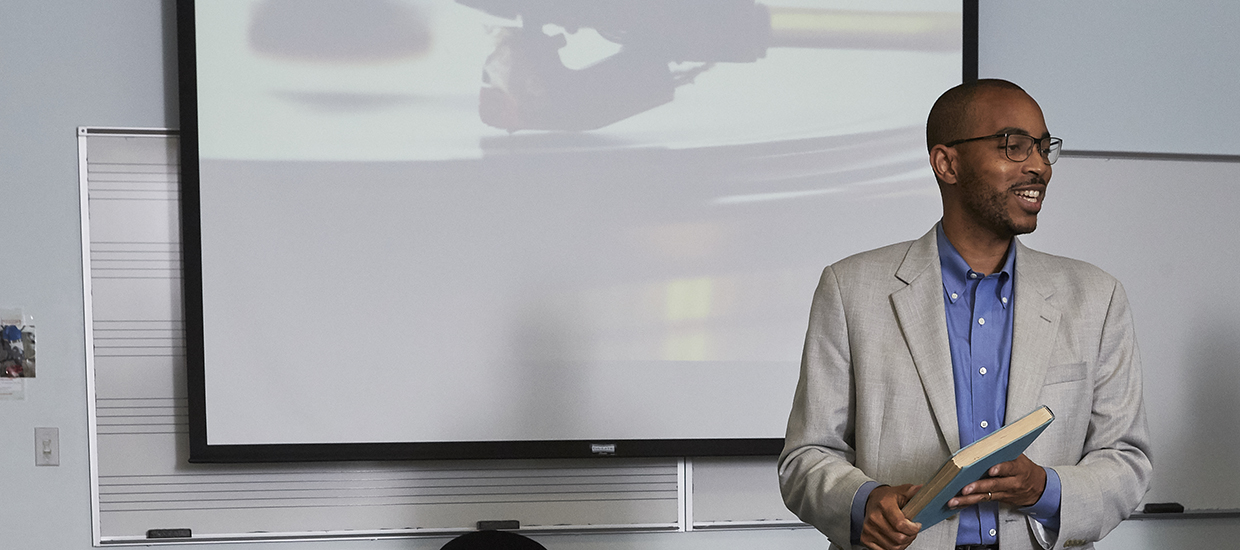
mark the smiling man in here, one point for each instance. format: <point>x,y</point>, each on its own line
<point>917,349</point>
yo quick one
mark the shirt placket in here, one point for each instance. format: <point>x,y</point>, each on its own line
<point>984,339</point>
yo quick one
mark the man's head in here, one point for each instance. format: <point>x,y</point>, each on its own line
<point>985,192</point>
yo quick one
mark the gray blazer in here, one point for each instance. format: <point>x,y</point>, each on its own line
<point>876,400</point>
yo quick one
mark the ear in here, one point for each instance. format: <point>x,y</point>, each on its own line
<point>943,160</point>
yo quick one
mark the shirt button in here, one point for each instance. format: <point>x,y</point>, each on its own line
<point>992,532</point>
<point>972,275</point>
<point>954,296</point>
<point>982,370</point>
<point>1004,299</point>
<point>981,321</point>
<point>985,423</point>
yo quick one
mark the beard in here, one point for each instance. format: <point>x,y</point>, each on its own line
<point>989,207</point>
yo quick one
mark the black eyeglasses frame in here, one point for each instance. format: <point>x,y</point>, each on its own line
<point>1053,145</point>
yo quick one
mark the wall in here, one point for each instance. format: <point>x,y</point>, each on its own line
<point>65,64</point>
<point>69,63</point>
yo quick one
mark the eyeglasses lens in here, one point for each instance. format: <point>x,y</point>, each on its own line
<point>1052,150</point>
<point>1020,146</point>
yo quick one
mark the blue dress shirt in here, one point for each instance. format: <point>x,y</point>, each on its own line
<point>979,330</point>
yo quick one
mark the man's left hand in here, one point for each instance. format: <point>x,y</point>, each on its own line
<point>1019,482</point>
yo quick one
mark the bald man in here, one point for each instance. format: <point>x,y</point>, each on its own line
<point>917,349</point>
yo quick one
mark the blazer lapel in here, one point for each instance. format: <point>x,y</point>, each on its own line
<point>919,310</point>
<point>1034,328</point>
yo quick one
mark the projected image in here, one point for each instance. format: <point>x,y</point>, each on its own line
<point>661,46</point>
<point>543,219</point>
<point>407,80</point>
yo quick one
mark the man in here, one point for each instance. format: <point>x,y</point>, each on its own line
<point>917,349</point>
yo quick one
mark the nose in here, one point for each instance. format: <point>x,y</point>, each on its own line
<point>1036,165</point>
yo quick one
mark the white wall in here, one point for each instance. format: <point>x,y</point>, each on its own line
<point>69,63</point>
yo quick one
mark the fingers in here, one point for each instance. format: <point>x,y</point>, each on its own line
<point>881,532</point>
<point>978,496</point>
<point>894,517</point>
<point>998,489</point>
<point>970,499</point>
<point>1019,482</point>
<point>885,526</point>
<point>1012,467</point>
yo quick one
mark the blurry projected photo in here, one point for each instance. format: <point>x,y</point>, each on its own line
<point>420,80</point>
<point>602,197</point>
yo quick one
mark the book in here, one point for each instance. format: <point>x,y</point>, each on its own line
<point>929,505</point>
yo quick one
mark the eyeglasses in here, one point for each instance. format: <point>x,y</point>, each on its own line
<point>1018,147</point>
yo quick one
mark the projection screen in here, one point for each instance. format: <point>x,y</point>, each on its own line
<point>534,228</point>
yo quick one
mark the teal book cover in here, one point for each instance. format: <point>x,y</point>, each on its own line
<point>1008,443</point>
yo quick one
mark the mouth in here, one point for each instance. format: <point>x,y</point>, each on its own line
<point>1029,195</point>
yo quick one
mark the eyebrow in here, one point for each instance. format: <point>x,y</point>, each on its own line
<point>1021,131</point>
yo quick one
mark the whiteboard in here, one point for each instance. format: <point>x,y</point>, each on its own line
<point>141,478</point>
<point>1167,231</point>
<point>1096,210</point>
<point>1132,76</point>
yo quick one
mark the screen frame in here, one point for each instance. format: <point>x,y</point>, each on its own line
<point>201,451</point>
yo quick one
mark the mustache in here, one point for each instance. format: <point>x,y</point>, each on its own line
<point>1035,180</point>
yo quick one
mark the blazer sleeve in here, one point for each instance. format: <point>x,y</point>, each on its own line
<point>816,473</point>
<point>1113,473</point>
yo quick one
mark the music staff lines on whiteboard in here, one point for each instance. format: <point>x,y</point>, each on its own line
<point>117,338</point>
<point>266,490</point>
<point>135,260</point>
<point>134,181</point>
<point>133,416</point>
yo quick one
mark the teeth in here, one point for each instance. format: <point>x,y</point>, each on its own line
<point>1030,195</point>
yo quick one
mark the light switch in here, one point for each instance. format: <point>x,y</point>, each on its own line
<point>47,446</point>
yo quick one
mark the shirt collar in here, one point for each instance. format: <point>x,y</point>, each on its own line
<point>956,272</point>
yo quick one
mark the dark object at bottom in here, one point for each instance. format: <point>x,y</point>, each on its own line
<point>499,525</point>
<point>169,533</point>
<point>492,540</point>
<point>1163,508</point>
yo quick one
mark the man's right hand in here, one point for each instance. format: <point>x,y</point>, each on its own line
<point>885,526</point>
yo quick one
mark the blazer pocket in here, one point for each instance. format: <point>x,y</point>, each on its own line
<point>1067,372</point>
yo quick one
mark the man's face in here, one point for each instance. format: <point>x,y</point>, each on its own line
<point>998,195</point>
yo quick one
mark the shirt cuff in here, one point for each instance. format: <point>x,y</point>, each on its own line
<point>858,508</point>
<point>1046,509</point>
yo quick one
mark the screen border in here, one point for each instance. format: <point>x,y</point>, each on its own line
<point>200,451</point>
